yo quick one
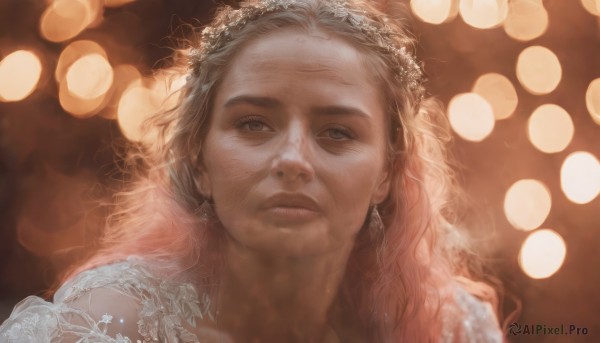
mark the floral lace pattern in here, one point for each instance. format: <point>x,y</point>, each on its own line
<point>167,307</point>
<point>472,321</point>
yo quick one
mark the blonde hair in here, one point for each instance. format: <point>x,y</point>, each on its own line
<point>395,283</point>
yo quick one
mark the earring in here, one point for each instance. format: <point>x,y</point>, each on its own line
<point>206,211</point>
<point>376,228</point>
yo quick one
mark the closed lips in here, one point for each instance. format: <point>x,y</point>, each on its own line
<point>293,200</point>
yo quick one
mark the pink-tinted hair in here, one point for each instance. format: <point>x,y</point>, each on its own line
<point>395,283</point>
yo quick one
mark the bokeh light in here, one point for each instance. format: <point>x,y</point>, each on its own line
<point>471,116</point>
<point>527,20</point>
<point>145,97</point>
<point>499,93</point>
<point>580,177</point>
<point>124,76</point>
<point>483,14</point>
<point>550,128</point>
<point>538,70</point>
<point>592,6</point>
<point>542,254</point>
<point>78,107</point>
<point>137,103</point>
<point>72,53</point>
<point>20,73</point>
<point>89,77</point>
<point>84,76</point>
<point>432,11</point>
<point>116,3</point>
<point>65,19</point>
<point>592,100</point>
<point>527,204</point>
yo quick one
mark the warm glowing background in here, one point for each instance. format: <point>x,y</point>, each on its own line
<point>520,80</point>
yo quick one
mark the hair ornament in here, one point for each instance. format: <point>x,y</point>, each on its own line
<point>220,32</point>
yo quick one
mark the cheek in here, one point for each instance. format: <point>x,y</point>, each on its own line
<point>232,172</point>
<point>352,185</point>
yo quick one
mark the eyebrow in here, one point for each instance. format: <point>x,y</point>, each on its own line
<point>272,103</point>
<point>258,101</point>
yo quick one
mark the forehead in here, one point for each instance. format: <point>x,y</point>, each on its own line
<point>300,54</point>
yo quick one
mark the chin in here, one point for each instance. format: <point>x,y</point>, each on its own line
<point>289,242</point>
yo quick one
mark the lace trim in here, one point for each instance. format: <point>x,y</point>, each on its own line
<point>163,303</point>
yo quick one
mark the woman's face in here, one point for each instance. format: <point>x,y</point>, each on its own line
<point>295,152</point>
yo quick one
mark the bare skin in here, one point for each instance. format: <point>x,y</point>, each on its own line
<point>294,156</point>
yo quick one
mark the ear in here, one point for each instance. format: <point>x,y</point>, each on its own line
<point>382,188</point>
<point>202,181</point>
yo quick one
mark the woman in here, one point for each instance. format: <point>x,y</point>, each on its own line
<point>298,192</point>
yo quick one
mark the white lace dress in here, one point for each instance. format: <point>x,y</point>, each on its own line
<point>126,302</point>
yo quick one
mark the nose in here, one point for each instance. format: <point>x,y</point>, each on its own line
<point>292,162</point>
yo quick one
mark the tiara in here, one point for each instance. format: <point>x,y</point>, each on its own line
<point>215,36</point>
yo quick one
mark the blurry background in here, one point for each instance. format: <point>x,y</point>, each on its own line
<point>520,80</point>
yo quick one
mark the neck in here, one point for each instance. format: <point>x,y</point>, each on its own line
<point>279,298</point>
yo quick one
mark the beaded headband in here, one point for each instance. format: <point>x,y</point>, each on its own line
<point>215,37</point>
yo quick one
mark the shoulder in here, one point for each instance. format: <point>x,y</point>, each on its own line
<point>111,295</point>
<point>86,308</point>
<point>468,318</point>
<point>130,277</point>
<point>141,298</point>
<point>121,302</point>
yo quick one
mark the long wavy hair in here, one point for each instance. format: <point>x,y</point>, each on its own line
<point>395,284</point>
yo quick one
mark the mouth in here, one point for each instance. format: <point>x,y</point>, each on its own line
<point>291,201</point>
<point>291,207</point>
